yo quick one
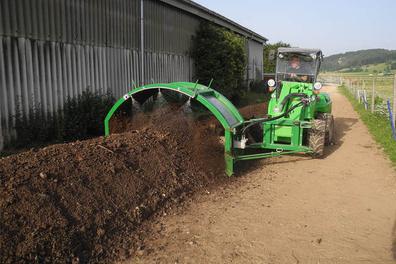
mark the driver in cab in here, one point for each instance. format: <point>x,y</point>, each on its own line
<point>295,69</point>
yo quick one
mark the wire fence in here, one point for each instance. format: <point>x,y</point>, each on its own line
<point>376,93</point>
<point>375,98</point>
<point>373,92</point>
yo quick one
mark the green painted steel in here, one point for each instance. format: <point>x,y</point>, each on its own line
<point>282,136</point>
<point>220,106</point>
<point>227,114</point>
<point>268,155</point>
<point>287,133</point>
<point>324,104</point>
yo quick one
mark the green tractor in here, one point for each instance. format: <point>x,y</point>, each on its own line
<point>299,118</point>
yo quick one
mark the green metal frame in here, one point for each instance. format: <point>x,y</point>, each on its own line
<point>227,114</point>
<point>290,128</point>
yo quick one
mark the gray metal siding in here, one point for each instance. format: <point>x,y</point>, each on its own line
<point>35,73</point>
<point>255,60</point>
<point>111,23</point>
<point>114,23</point>
<point>206,14</point>
<point>168,29</point>
<point>54,49</point>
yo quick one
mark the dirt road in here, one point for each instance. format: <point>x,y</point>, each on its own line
<point>292,209</point>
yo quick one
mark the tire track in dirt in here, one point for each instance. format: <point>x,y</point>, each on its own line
<point>340,209</point>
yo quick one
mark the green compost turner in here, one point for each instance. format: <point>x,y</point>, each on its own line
<point>299,116</point>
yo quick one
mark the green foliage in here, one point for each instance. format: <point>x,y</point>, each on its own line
<point>269,59</point>
<point>357,59</point>
<point>35,128</point>
<point>259,86</point>
<point>358,69</point>
<point>82,117</point>
<point>378,125</point>
<point>387,70</point>
<point>219,54</point>
<point>378,100</point>
<point>393,66</point>
<point>253,97</point>
<point>258,93</point>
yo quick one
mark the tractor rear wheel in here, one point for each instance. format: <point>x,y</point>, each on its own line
<point>329,140</point>
<point>316,137</point>
<point>329,119</point>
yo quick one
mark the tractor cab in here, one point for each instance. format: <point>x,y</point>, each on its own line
<point>298,65</point>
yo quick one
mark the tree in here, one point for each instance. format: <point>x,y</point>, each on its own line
<point>219,54</point>
<point>270,51</point>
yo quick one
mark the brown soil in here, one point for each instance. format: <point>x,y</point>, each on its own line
<point>85,201</point>
<point>89,201</point>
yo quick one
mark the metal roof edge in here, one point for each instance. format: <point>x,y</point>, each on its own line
<point>207,14</point>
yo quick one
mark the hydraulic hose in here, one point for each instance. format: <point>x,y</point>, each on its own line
<point>287,98</point>
<point>263,120</point>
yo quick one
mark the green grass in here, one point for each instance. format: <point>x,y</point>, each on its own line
<point>368,69</point>
<point>372,68</point>
<point>383,84</point>
<point>379,126</point>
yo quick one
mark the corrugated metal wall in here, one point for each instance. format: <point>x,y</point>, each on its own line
<point>168,36</point>
<point>44,74</point>
<point>112,23</point>
<point>54,49</point>
<point>168,29</point>
<point>255,60</point>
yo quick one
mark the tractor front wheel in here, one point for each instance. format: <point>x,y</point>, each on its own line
<point>316,137</point>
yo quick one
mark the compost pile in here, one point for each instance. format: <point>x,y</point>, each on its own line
<point>84,201</point>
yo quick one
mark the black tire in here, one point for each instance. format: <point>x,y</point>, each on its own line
<point>316,138</point>
<point>329,119</point>
<point>329,139</point>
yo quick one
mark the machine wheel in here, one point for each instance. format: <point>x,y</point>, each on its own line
<point>316,137</point>
<point>329,119</point>
<point>329,140</point>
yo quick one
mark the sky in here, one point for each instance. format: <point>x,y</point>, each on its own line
<point>334,26</point>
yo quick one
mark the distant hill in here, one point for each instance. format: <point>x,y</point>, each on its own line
<point>358,59</point>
